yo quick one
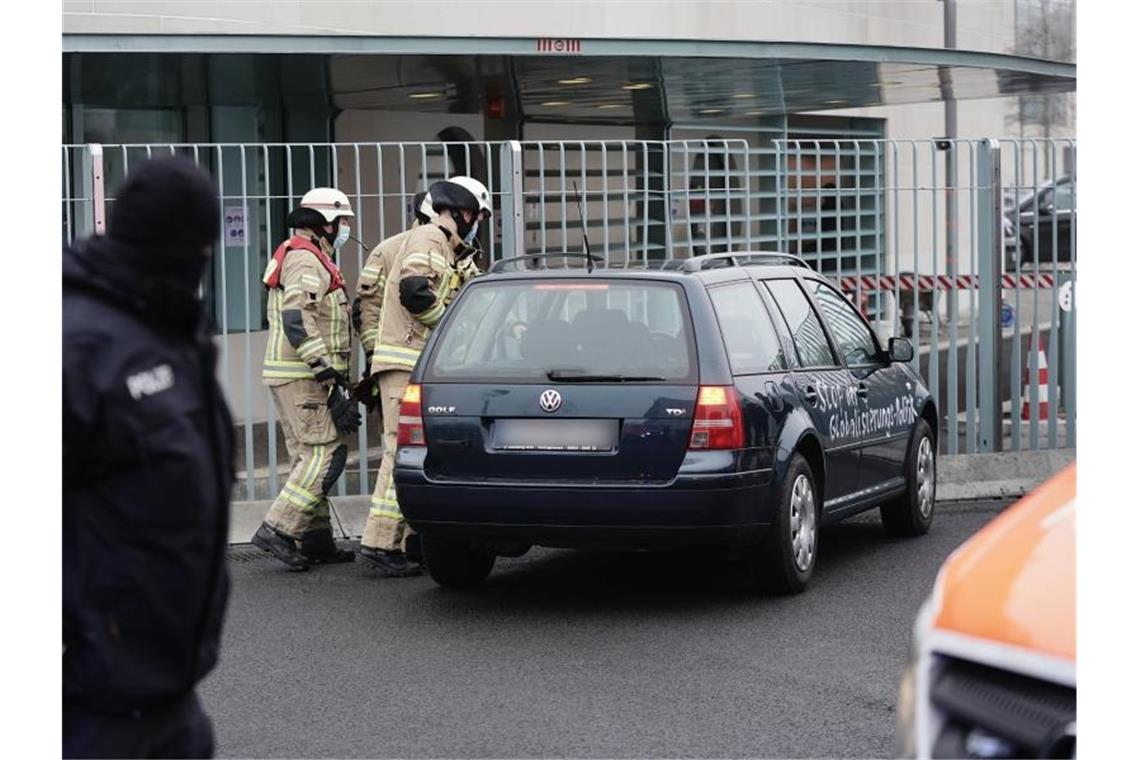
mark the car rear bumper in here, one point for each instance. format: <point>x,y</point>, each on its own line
<point>724,508</point>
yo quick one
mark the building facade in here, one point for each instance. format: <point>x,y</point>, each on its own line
<point>280,95</point>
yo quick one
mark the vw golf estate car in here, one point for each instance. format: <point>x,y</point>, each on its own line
<point>736,402</point>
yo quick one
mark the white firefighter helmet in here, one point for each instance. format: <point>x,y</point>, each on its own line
<point>478,189</point>
<point>328,202</point>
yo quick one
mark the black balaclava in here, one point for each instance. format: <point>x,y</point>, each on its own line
<point>164,217</point>
<point>455,197</point>
<point>303,218</point>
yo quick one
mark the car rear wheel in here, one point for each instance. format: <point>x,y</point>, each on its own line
<point>785,561</point>
<point>456,564</point>
<point>912,513</point>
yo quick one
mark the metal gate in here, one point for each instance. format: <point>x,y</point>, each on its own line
<point>875,214</point>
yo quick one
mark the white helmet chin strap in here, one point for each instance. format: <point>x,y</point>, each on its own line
<point>426,207</point>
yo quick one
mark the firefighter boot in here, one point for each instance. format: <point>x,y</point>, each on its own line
<point>280,546</point>
<point>392,564</point>
<point>319,548</point>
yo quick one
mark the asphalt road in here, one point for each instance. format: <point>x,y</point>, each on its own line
<point>577,654</point>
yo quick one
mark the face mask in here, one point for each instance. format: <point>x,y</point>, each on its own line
<point>471,235</point>
<point>341,236</point>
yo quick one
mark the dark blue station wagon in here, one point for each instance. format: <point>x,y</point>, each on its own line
<point>735,401</point>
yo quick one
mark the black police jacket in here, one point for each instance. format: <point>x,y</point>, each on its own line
<point>147,473</point>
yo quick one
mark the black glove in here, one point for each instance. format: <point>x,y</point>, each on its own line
<point>367,392</point>
<point>345,415</point>
<point>356,318</point>
<point>329,376</point>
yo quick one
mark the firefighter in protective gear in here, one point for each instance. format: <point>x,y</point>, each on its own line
<point>306,369</point>
<point>370,289</point>
<point>431,265</point>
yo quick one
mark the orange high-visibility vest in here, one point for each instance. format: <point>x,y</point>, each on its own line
<point>297,242</point>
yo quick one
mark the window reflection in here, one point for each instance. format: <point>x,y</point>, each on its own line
<point>807,332</point>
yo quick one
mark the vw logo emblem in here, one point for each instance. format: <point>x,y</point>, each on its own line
<point>550,400</point>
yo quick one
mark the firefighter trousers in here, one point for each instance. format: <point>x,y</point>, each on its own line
<point>385,528</point>
<point>316,455</point>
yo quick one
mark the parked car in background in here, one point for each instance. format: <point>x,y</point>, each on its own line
<point>1043,226</point>
<point>992,672</point>
<point>724,403</point>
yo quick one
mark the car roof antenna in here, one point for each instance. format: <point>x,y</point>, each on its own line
<point>582,221</point>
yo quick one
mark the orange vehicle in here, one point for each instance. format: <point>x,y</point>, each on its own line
<point>993,663</point>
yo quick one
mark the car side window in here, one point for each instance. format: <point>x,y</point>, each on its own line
<point>1062,199</point>
<point>749,335</point>
<point>807,331</point>
<point>855,340</point>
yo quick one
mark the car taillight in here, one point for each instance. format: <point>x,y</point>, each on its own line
<point>718,422</point>
<point>411,429</point>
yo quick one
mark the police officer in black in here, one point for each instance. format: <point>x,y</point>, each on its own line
<point>147,473</point>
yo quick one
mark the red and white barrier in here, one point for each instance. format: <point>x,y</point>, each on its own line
<point>908,282</point>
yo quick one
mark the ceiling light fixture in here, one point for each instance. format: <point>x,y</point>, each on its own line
<point>610,105</point>
<point>575,80</point>
<point>637,86</point>
<point>744,96</point>
<point>553,103</point>
<point>425,95</point>
<point>711,110</point>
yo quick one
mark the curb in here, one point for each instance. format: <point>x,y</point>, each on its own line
<point>962,477</point>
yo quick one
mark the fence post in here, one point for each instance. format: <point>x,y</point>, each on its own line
<point>511,200</point>
<point>781,178</point>
<point>93,219</point>
<point>990,245</point>
<point>1068,355</point>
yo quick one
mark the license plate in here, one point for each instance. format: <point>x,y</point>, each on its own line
<point>556,435</point>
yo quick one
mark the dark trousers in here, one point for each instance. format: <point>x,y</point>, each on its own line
<point>179,730</point>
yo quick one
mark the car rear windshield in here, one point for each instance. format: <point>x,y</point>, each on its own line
<point>590,330</point>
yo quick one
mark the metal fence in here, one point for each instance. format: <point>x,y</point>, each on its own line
<point>974,246</point>
<point>908,245</point>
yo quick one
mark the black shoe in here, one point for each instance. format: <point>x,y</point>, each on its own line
<point>280,546</point>
<point>319,548</point>
<point>390,563</point>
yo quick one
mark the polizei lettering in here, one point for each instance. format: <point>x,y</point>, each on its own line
<point>151,381</point>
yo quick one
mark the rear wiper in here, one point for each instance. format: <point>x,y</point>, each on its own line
<point>579,377</point>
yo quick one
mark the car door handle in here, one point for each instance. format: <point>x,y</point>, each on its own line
<point>861,391</point>
<point>461,443</point>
